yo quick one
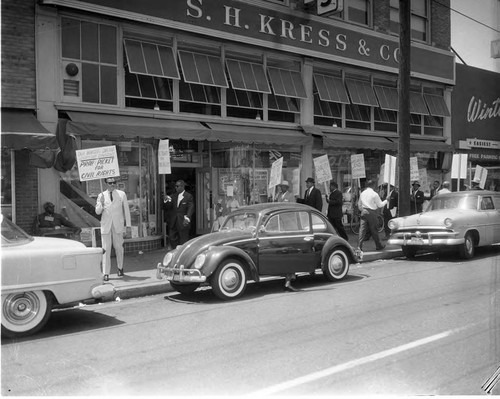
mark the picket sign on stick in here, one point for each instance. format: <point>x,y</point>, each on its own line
<point>97,163</point>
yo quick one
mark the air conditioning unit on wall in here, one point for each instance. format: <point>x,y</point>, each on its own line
<point>71,75</point>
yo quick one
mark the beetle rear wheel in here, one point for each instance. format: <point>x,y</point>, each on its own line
<point>25,313</point>
<point>337,265</point>
<point>229,280</point>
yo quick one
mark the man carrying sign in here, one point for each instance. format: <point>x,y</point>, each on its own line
<point>113,206</point>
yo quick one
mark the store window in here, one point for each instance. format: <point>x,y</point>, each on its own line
<point>89,53</point>
<point>137,179</point>
<point>6,193</point>
<point>419,19</point>
<point>356,11</point>
<point>240,176</point>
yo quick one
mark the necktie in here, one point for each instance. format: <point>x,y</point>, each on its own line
<point>111,196</point>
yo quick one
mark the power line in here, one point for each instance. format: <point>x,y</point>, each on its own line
<point>466,16</point>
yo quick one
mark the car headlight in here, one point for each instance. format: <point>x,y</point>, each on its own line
<point>199,261</point>
<point>167,258</point>
<point>392,224</point>
<point>448,222</point>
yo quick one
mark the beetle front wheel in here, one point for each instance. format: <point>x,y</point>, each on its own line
<point>25,313</point>
<point>229,280</point>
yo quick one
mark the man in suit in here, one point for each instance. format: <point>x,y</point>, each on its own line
<point>312,196</point>
<point>334,212</point>
<point>113,206</point>
<point>417,198</point>
<point>179,210</point>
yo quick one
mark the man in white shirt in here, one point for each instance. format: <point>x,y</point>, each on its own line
<point>369,202</point>
<point>285,195</point>
<point>113,206</point>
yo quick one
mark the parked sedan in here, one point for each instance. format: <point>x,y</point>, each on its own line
<point>463,220</point>
<point>271,239</point>
<point>42,273</point>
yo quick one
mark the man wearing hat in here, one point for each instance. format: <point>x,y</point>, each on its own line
<point>312,196</point>
<point>285,195</point>
<point>334,213</point>
<point>51,220</point>
<point>417,198</point>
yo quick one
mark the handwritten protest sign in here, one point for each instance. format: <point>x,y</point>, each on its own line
<point>97,163</point>
<point>358,166</point>
<point>480,175</point>
<point>164,158</point>
<point>322,169</point>
<point>414,174</point>
<point>276,169</point>
<point>296,181</point>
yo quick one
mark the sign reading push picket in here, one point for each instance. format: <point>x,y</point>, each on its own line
<point>97,163</point>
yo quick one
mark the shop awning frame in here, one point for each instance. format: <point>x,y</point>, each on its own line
<point>248,76</point>
<point>437,105</point>
<point>334,140</point>
<point>94,125</point>
<point>151,59</point>
<point>286,83</point>
<point>21,130</point>
<point>417,104</point>
<point>202,69</point>
<point>388,97</point>
<point>361,92</point>
<point>331,89</point>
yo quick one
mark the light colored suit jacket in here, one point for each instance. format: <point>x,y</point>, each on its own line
<point>113,213</point>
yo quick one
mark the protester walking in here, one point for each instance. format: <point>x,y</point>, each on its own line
<point>388,213</point>
<point>369,203</point>
<point>334,212</point>
<point>113,206</point>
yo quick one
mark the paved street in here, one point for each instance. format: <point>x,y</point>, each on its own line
<point>427,327</point>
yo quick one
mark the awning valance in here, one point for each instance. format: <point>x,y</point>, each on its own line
<point>365,142</point>
<point>104,125</point>
<point>21,129</point>
<point>382,143</point>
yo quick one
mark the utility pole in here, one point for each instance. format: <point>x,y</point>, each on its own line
<point>404,107</point>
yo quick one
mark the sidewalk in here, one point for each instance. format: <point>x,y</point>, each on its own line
<point>140,269</point>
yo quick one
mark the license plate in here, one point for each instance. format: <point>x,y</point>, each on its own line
<point>416,241</point>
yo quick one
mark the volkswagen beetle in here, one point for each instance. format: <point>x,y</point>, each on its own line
<point>463,220</point>
<point>271,239</point>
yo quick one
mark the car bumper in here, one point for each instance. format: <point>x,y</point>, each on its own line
<point>429,239</point>
<point>179,275</point>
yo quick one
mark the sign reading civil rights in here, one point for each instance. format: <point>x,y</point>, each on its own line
<point>267,25</point>
<point>97,163</point>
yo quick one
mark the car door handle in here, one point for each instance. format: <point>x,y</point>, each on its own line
<point>308,238</point>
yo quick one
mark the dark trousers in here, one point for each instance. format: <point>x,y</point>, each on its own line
<point>178,235</point>
<point>387,216</point>
<point>368,223</point>
<point>339,227</point>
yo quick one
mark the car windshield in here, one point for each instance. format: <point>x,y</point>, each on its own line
<point>240,221</point>
<point>453,202</point>
<point>12,234</point>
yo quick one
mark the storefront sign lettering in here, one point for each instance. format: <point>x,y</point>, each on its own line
<point>479,110</point>
<point>97,163</point>
<point>483,143</point>
<point>296,32</point>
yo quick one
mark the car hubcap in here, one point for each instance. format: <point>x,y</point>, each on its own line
<point>230,280</point>
<point>21,308</point>
<point>336,264</point>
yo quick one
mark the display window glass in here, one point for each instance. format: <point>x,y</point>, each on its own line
<point>6,193</point>
<point>137,179</point>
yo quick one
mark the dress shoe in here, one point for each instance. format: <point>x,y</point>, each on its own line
<point>120,273</point>
<point>106,277</point>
